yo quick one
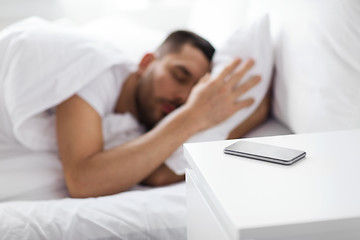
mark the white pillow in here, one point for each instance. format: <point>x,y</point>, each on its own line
<point>317,84</point>
<point>250,41</point>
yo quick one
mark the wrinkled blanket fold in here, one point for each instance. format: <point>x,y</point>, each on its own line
<point>41,66</point>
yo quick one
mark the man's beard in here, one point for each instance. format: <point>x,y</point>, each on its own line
<point>144,115</point>
<point>144,110</point>
<point>145,103</point>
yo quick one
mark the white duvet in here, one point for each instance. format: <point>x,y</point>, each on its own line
<point>41,65</point>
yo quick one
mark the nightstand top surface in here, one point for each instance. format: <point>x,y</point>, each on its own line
<point>252,193</point>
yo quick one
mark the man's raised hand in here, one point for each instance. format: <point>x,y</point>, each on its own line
<point>213,100</point>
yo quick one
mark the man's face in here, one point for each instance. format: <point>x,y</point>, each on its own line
<point>167,82</point>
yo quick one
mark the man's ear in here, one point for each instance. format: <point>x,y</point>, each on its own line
<point>145,62</point>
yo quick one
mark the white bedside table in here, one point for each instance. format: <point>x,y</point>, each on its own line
<point>318,197</point>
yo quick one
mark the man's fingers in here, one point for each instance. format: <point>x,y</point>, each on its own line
<point>244,103</point>
<point>238,75</point>
<point>247,86</point>
<point>244,88</point>
<point>228,70</point>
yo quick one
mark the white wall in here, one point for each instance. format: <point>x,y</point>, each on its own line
<point>163,15</point>
<point>157,13</point>
<point>14,10</point>
<point>213,19</point>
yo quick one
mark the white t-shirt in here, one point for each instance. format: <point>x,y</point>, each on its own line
<point>103,92</point>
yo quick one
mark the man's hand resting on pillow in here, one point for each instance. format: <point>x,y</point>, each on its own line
<point>214,100</point>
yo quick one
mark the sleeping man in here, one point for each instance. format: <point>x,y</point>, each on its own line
<point>169,95</point>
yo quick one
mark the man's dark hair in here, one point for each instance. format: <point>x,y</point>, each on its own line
<point>176,40</point>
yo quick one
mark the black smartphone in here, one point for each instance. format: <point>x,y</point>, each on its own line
<point>265,152</point>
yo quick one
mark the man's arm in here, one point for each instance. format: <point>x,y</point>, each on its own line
<point>91,171</point>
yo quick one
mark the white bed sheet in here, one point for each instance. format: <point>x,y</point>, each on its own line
<point>271,127</point>
<point>143,214</point>
<point>27,177</point>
